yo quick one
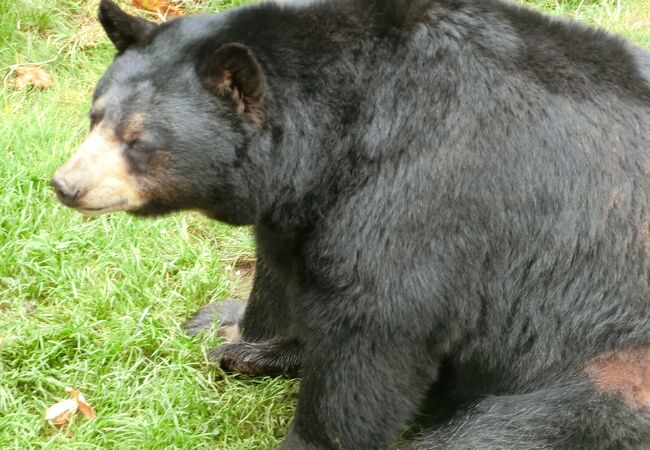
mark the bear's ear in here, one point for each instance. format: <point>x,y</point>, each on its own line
<point>123,29</point>
<point>233,71</point>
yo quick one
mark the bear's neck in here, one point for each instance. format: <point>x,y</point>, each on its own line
<point>315,97</point>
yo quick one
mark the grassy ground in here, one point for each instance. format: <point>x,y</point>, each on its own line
<point>96,305</point>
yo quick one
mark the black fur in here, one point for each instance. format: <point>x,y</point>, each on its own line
<point>123,30</point>
<point>450,200</point>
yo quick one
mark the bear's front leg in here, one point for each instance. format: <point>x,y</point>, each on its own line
<point>267,344</point>
<point>265,315</point>
<point>362,383</point>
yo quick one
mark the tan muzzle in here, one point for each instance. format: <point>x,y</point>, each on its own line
<point>96,179</point>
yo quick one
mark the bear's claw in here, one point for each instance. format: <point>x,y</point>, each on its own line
<point>276,357</point>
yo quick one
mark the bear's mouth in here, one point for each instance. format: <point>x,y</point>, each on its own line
<point>115,206</point>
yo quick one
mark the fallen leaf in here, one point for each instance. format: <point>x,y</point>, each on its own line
<point>61,413</point>
<point>82,404</point>
<point>162,6</point>
<point>31,76</point>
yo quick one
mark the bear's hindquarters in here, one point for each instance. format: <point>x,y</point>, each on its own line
<point>604,406</point>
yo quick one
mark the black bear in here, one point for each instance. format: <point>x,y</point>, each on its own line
<point>451,203</point>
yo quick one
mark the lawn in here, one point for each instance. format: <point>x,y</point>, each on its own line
<point>97,304</point>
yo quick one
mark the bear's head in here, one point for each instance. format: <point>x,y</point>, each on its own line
<point>172,124</point>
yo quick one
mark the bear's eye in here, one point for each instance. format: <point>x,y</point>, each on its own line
<point>130,135</point>
<point>135,145</point>
<point>131,139</point>
<point>94,116</point>
<point>132,144</point>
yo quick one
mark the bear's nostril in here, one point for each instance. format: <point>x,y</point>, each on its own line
<point>58,186</point>
<point>67,194</point>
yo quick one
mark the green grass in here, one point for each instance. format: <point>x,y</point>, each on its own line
<point>627,18</point>
<point>97,304</point>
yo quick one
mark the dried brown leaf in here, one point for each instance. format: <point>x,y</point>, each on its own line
<point>85,407</point>
<point>31,76</point>
<point>159,6</point>
<point>87,411</point>
<point>61,413</point>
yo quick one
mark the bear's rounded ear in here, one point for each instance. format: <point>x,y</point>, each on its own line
<point>233,71</point>
<point>123,29</point>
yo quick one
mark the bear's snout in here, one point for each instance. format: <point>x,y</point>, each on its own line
<point>97,178</point>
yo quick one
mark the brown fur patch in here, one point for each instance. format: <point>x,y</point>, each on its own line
<point>133,127</point>
<point>244,105</point>
<point>254,112</point>
<point>625,373</point>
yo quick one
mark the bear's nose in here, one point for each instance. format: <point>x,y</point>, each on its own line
<point>68,194</point>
